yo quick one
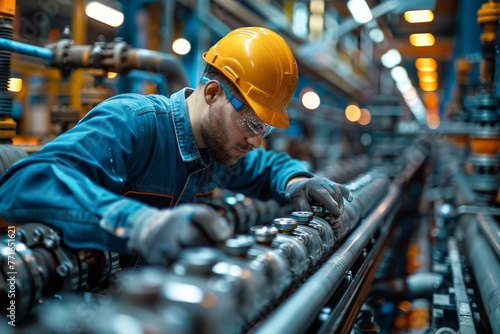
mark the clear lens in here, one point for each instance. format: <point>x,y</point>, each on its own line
<point>249,123</point>
<point>244,117</point>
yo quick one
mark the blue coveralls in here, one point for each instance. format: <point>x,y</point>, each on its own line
<point>129,154</point>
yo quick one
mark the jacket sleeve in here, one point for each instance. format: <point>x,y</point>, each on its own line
<point>263,174</point>
<point>59,185</point>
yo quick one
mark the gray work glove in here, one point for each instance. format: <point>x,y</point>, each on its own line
<point>329,194</point>
<point>160,236</point>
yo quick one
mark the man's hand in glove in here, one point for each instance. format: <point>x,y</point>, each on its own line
<point>331,195</point>
<point>160,234</point>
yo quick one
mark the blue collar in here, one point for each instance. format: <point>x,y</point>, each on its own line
<point>182,126</point>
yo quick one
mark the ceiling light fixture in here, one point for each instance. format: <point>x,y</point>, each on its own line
<point>426,64</point>
<point>425,39</point>
<point>376,35</point>
<point>419,16</point>
<point>399,74</point>
<point>310,99</point>
<point>104,13</point>
<point>391,58</point>
<point>181,46</point>
<point>428,86</point>
<point>360,11</point>
<point>428,78</point>
<point>15,85</point>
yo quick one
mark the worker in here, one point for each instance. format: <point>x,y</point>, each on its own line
<point>128,177</point>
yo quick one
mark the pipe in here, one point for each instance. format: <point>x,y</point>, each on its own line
<point>486,268</point>
<point>166,64</point>
<point>163,63</point>
<point>490,231</point>
<point>418,285</point>
<point>26,49</point>
<point>421,283</point>
<point>291,316</point>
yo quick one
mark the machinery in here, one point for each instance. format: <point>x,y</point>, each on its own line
<point>416,251</point>
<point>284,271</point>
<point>256,281</point>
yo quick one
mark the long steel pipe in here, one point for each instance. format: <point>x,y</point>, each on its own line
<point>166,64</point>
<point>489,228</point>
<point>486,268</point>
<point>292,316</point>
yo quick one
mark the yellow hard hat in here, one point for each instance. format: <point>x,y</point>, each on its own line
<point>261,65</point>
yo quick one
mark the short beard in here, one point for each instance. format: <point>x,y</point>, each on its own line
<point>216,138</point>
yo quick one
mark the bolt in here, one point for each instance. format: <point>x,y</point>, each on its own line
<point>37,234</point>
<point>62,269</point>
<point>347,279</point>
<point>49,243</point>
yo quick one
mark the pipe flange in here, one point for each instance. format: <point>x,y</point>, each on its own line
<point>39,235</point>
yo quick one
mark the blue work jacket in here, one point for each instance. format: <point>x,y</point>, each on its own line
<point>128,155</point>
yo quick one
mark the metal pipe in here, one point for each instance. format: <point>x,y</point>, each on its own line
<point>166,64</point>
<point>163,63</point>
<point>26,49</point>
<point>291,316</point>
<point>486,268</point>
<point>490,231</point>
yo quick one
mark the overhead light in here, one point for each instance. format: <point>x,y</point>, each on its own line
<point>311,100</point>
<point>365,117</point>
<point>317,6</point>
<point>429,86</point>
<point>391,58</point>
<point>399,74</point>
<point>360,11</point>
<point>410,93</point>
<point>425,39</point>
<point>181,46</point>
<point>15,85</point>
<point>414,102</point>
<point>404,85</point>
<point>316,25</point>
<point>376,35</point>
<point>427,76</point>
<point>104,13</point>
<point>426,64</point>
<point>299,20</point>
<point>352,113</point>
<point>419,16</point>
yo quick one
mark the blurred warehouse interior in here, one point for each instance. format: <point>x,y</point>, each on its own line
<point>398,99</point>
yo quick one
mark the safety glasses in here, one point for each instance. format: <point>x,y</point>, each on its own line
<point>244,118</point>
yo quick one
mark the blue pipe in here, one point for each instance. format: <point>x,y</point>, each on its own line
<point>27,49</point>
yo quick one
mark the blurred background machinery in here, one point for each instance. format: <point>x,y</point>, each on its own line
<point>397,99</point>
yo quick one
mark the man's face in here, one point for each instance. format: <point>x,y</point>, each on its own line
<point>223,139</point>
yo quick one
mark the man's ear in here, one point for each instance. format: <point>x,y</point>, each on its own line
<point>211,90</point>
